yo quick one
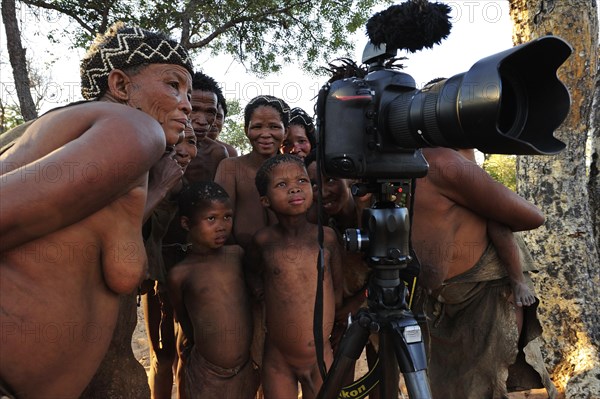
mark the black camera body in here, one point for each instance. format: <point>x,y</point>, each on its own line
<point>372,124</point>
<point>371,127</point>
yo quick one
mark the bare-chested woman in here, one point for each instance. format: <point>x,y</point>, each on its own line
<point>265,120</point>
<point>73,195</point>
<point>286,256</point>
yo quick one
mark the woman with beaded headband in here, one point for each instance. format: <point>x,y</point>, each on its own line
<point>300,134</point>
<point>74,185</point>
<point>265,120</point>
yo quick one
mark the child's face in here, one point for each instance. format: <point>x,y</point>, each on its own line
<point>289,191</point>
<point>265,130</point>
<point>209,228</point>
<point>336,192</point>
<point>296,142</point>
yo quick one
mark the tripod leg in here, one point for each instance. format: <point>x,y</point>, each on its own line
<point>388,383</point>
<point>410,354</point>
<point>350,349</point>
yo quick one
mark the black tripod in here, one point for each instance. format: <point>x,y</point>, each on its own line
<point>401,346</point>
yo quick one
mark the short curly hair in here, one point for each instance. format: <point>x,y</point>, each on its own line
<point>199,195</point>
<point>263,175</point>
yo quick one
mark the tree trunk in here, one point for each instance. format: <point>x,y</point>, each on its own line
<point>120,375</point>
<point>567,245</point>
<point>18,60</point>
<point>595,161</point>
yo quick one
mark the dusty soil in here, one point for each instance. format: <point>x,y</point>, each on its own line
<point>139,344</point>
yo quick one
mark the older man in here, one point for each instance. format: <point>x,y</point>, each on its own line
<point>204,112</point>
<point>477,348</point>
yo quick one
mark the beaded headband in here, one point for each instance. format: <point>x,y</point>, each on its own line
<point>128,47</point>
<point>281,106</point>
<point>299,117</point>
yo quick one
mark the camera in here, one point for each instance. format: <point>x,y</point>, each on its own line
<point>372,122</point>
<point>371,127</point>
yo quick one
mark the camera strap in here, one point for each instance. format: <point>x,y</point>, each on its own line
<point>318,313</point>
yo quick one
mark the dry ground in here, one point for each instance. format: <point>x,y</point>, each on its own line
<point>140,349</point>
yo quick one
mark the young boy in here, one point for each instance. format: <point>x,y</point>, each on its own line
<point>265,120</point>
<point>210,300</point>
<point>342,210</point>
<point>285,255</point>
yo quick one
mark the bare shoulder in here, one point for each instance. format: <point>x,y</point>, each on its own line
<point>329,234</point>
<point>226,172</point>
<point>263,235</point>
<point>215,145</point>
<point>230,161</point>
<point>456,176</point>
<point>128,122</point>
<point>267,236</point>
<point>89,113</point>
<point>86,123</point>
<point>178,270</point>
<point>244,161</point>
<point>234,251</point>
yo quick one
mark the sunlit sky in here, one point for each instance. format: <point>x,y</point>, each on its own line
<point>480,28</point>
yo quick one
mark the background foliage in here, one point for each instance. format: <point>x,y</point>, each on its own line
<point>262,34</point>
<point>502,168</point>
<point>233,128</point>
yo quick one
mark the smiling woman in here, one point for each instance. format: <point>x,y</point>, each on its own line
<point>73,194</point>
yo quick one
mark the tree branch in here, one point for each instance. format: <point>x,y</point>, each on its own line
<point>70,13</point>
<point>236,21</point>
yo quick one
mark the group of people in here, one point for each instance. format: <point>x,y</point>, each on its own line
<point>132,189</point>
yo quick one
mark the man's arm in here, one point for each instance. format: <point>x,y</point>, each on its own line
<point>467,184</point>
<point>164,178</point>
<point>336,266</point>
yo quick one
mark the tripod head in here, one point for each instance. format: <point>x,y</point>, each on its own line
<point>385,241</point>
<point>384,238</point>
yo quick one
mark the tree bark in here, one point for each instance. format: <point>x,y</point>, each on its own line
<point>595,161</point>
<point>18,60</point>
<point>565,186</point>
